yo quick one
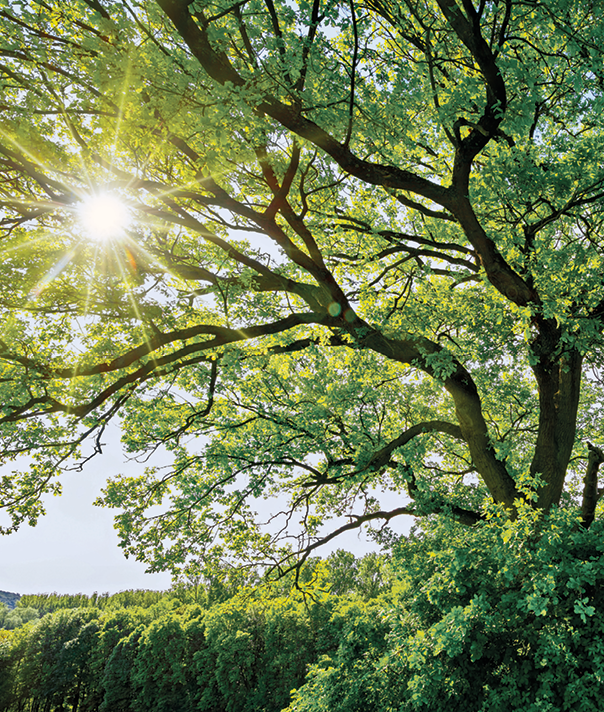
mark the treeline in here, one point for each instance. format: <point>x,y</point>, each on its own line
<point>239,655</point>
<point>502,617</point>
<point>246,653</point>
<point>33,606</point>
<point>342,574</point>
<point>50,602</point>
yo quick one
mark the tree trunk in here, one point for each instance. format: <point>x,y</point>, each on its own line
<point>559,382</point>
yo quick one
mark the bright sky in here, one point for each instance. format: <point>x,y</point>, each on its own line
<point>74,548</point>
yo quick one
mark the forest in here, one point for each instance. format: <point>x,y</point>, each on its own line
<point>323,264</point>
<point>467,626</point>
<point>220,646</point>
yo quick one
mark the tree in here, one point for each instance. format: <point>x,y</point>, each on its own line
<point>357,258</point>
<point>51,660</point>
<point>13,618</point>
<point>159,672</point>
<point>483,619</point>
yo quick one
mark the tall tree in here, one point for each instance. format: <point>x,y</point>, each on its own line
<point>343,253</point>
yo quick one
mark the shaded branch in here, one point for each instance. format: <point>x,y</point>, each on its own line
<point>218,66</point>
<point>591,493</point>
<point>381,457</point>
<point>153,368</point>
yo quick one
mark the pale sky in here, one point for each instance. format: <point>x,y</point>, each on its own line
<point>74,548</point>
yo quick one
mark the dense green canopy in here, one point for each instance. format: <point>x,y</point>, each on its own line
<point>342,256</point>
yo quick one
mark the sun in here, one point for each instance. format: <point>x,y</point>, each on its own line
<point>103,216</point>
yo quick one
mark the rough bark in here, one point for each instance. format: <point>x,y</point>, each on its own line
<point>591,493</point>
<point>559,381</point>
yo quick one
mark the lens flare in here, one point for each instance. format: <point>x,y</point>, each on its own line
<point>103,217</point>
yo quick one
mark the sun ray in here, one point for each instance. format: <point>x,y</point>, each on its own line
<point>132,301</point>
<point>76,138</point>
<point>24,245</point>
<point>151,258</point>
<point>86,315</point>
<point>90,281</point>
<point>26,156</point>
<point>120,115</point>
<point>52,273</point>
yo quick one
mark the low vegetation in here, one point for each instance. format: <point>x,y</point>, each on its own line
<point>503,616</point>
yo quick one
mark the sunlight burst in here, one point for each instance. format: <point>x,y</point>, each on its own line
<point>103,216</point>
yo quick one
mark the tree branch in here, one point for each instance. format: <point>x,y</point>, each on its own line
<point>381,457</point>
<point>591,493</point>
<point>218,66</point>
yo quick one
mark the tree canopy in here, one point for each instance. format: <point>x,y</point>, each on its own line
<point>342,256</point>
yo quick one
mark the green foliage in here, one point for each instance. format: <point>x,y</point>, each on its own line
<point>362,277</point>
<point>158,674</point>
<point>50,602</point>
<point>368,576</point>
<point>244,654</point>
<point>352,678</point>
<point>259,652</point>
<point>118,688</point>
<point>8,658</point>
<point>15,617</point>
<point>506,616</point>
<point>52,658</point>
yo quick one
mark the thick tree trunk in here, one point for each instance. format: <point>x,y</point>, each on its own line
<point>559,381</point>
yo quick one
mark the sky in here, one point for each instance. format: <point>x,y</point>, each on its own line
<point>74,548</point>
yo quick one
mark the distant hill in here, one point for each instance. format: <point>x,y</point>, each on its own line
<point>10,599</point>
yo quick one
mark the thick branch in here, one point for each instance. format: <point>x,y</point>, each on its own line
<point>425,354</point>
<point>381,457</point>
<point>591,494</point>
<point>499,273</point>
<point>154,367</point>
<point>455,200</point>
<point>218,66</point>
<point>488,124</point>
